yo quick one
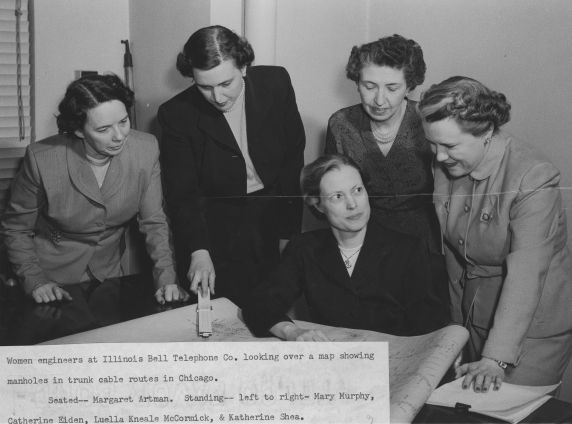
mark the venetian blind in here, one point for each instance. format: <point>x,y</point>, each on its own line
<point>14,89</point>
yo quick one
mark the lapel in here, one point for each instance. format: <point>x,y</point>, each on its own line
<point>115,173</point>
<point>80,173</point>
<point>212,122</point>
<point>375,248</point>
<point>328,258</point>
<point>257,106</point>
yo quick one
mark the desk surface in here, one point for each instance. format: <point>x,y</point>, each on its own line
<point>123,310</point>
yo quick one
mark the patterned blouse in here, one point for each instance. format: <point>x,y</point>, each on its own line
<point>400,184</point>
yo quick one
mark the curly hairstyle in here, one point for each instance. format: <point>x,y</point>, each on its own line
<point>312,174</point>
<point>209,46</point>
<point>394,51</point>
<point>475,107</point>
<point>86,93</point>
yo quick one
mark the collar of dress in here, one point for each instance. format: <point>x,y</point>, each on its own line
<point>492,158</point>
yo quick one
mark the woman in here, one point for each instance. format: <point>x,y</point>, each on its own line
<point>355,274</point>
<point>504,233</point>
<point>384,135</point>
<point>76,192</point>
<point>232,151</point>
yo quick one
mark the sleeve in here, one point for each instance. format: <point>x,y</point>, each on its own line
<point>270,301</point>
<point>182,190</point>
<point>332,145</point>
<point>291,207</point>
<point>427,308</point>
<point>19,223</point>
<point>153,223</point>
<point>534,229</point>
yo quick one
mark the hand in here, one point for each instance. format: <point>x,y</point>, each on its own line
<point>171,293</point>
<point>201,271</point>
<point>482,374</point>
<point>49,292</point>
<point>296,334</point>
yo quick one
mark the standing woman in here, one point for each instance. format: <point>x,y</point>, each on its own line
<point>504,232</point>
<point>384,135</point>
<point>232,151</point>
<point>76,192</point>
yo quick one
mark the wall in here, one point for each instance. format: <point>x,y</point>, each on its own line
<point>522,48</point>
<point>72,35</point>
<point>314,39</point>
<point>158,34</point>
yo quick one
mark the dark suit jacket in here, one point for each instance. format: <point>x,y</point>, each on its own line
<point>391,290</point>
<point>203,167</point>
<point>58,220</point>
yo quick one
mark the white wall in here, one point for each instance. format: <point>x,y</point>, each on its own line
<point>72,35</point>
<point>314,39</point>
<point>228,13</point>
<point>522,48</point>
<point>158,34</point>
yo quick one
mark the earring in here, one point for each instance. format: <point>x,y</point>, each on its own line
<point>488,140</point>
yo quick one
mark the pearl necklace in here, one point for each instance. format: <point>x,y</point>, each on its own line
<point>383,137</point>
<point>347,258</point>
<point>387,136</point>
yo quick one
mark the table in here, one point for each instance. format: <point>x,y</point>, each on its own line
<point>123,310</point>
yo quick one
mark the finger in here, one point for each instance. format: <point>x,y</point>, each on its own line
<point>487,381</point>
<point>51,295</point>
<point>159,296</point>
<point>66,295</point>
<point>195,283</point>
<point>185,294</point>
<point>497,382</point>
<point>44,296</point>
<point>461,370</point>
<point>212,281</point>
<point>478,383</point>
<point>37,297</point>
<point>467,380</point>
<point>58,294</point>
<point>169,295</point>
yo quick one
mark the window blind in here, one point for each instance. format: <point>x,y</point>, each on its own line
<point>14,89</point>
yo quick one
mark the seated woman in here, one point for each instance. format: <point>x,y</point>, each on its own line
<point>76,192</point>
<point>504,231</point>
<point>355,274</point>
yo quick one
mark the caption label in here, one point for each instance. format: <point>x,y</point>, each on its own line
<point>285,382</point>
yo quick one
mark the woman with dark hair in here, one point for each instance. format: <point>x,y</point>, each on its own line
<point>232,149</point>
<point>504,236</point>
<point>75,193</point>
<point>383,134</point>
<point>354,274</point>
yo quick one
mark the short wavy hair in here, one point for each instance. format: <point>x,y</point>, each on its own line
<point>312,175</point>
<point>476,108</point>
<point>394,51</point>
<point>210,46</point>
<point>86,93</point>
